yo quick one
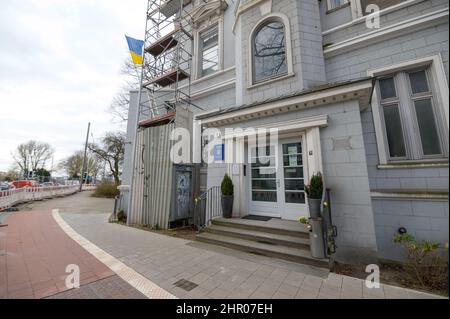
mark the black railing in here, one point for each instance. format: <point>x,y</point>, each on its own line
<point>207,207</point>
<point>329,230</point>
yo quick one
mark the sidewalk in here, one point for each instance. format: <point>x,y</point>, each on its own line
<point>217,272</point>
<point>181,267</point>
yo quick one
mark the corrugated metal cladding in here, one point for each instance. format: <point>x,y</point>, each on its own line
<point>153,182</point>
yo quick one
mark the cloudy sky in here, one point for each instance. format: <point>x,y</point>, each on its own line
<point>60,66</point>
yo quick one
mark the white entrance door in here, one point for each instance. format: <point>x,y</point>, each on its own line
<point>277,180</point>
<point>292,183</point>
<point>264,179</point>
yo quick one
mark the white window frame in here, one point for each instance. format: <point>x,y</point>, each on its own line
<point>329,5</point>
<point>198,54</point>
<point>201,50</point>
<point>437,81</point>
<point>290,65</point>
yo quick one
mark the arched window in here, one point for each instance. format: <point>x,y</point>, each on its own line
<point>269,51</point>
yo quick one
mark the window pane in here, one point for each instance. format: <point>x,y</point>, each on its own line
<point>264,172</point>
<point>336,3</point>
<point>295,197</point>
<point>210,52</point>
<point>293,172</point>
<point>264,184</point>
<point>418,82</point>
<point>292,160</point>
<point>387,88</point>
<point>292,148</point>
<point>264,196</point>
<point>269,51</point>
<point>394,131</point>
<point>294,184</point>
<point>427,127</point>
<point>264,161</point>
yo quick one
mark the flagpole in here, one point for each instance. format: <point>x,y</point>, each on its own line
<point>134,146</point>
<point>135,128</point>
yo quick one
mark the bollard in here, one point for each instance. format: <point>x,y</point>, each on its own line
<point>316,238</point>
<point>115,207</point>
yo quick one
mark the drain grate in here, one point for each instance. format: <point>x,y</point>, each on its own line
<point>185,284</point>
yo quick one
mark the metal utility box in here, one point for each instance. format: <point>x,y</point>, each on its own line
<point>185,185</point>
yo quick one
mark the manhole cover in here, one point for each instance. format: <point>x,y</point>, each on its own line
<point>185,284</point>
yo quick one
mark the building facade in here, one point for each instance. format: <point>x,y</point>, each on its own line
<point>360,97</point>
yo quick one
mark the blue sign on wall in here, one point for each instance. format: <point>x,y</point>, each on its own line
<point>219,152</point>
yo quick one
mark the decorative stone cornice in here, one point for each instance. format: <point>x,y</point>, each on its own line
<point>206,10</point>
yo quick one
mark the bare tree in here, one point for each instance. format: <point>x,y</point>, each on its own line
<point>32,155</point>
<point>121,101</point>
<point>12,174</point>
<point>74,164</point>
<point>112,151</point>
<point>94,165</point>
<point>120,104</point>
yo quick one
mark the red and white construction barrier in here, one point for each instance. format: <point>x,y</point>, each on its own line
<point>12,197</point>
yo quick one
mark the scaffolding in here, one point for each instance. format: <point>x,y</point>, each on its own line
<point>168,57</point>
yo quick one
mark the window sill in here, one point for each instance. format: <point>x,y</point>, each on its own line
<point>338,8</point>
<point>409,195</point>
<point>212,75</point>
<point>414,164</point>
<point>279,78</point>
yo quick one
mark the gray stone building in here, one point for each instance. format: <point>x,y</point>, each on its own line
<point>361,97</point>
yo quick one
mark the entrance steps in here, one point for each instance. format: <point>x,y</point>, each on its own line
<point>276,238</point>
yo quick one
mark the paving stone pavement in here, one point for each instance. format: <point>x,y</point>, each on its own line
<point>34,254</point>
<point>109,288</point>
<point>219,272</point>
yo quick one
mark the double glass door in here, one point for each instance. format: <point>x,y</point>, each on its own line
<point>277,180</point>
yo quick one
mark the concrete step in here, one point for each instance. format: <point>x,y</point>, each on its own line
<point>259,236</point>
<point>273,226</point>
<point>276,251</point>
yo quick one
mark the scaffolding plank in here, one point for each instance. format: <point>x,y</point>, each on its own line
<point>165,43</point>
<point>172,7</point>
<point>168,78</point>
<point>157,120</point>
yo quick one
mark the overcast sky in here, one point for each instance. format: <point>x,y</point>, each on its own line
<point>60,68</point>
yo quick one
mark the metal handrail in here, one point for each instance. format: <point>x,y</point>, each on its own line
<point>329,230</point>
<point>207,207</point>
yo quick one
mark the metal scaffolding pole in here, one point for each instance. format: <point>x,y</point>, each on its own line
<point>165,72</point>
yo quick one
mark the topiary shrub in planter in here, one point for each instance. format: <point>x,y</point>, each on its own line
<point>314,192</point>
<point>227,190</point>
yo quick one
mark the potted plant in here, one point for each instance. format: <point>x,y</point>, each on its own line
<point>305,221</point>
<point>314,192</point>
<point>227,190</point>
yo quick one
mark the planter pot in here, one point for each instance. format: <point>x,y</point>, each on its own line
<point>227,206</point>
<point>314,207</point>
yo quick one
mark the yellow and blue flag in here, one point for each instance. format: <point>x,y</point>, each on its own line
<point>136,49</point>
